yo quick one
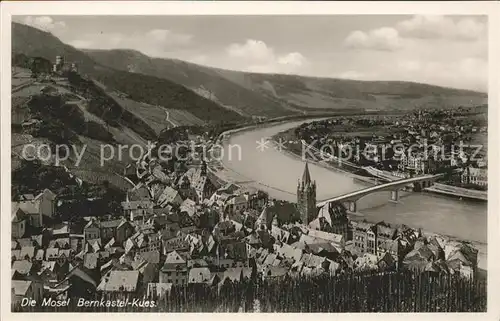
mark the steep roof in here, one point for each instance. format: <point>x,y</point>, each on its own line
<point>51,253</point>
<point>83,274</point>
<point>20,287</point>
<point>40,255</point>
<point>29,207</point>
<point>385,231</point>
<point>23,267</point>
<point>275,271</point>
<point>27,251</point>
<point>168,195</point>
<point>391,245</point>
<point>264,218</point>
<point>319,247</point>
<point>47,266</point>
<point>306,176</point>
<point>138,193</point>
<point>111,223</point>
<point>17,213</point>
<point>61,229</point>
<point>48,193</point>
<point>363,226</point>
<point>199,275</point>
<point>234,274</point>
<point>90,260</point>
<point>122,281</point>
<point>15,254</point>
<point>323,212</point>
<point>288,251</point>
<point>174,258</point>
<point>150,256</point>
<point>337,238</point>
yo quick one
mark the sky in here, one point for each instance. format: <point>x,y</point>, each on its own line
<point>449,51</point>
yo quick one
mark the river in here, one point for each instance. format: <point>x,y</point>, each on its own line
<point>277,173</point>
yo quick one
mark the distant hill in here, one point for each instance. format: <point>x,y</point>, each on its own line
<point>276,95</point>
<point>329,93</point>
<point>207,82</point>
<point>32,42</point>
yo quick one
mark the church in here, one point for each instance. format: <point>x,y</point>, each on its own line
<point>306,197</point>
<point>330,218</point>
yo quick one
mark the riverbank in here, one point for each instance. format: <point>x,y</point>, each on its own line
<point>458,192</point>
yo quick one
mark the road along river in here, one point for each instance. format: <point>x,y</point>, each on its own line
<point>277,173</point>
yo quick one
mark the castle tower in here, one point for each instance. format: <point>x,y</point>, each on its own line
<point>59,60</point>
<point>306,197</point>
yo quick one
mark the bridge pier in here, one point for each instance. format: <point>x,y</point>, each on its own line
<point>395,196</point>
<point>352,206</point>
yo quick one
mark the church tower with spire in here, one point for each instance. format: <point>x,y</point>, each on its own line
<point>306,197</point>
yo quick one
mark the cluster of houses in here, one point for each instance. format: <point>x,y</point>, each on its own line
<point>380,246</point>
<point>186,228</point>
<point>415,144</point>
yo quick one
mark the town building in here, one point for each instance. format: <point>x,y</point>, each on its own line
<point>26,289</point>
<point>121,281</point>
<point>332,218</point>
<point>199,181</point>
<point>18,222</point>
<point>416,163</point>
<point>37,208</point>
<point>475,175</point>
<point>61,66</point>
<point>174,269</point>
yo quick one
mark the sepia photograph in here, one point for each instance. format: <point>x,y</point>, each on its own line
<point>247,163</point>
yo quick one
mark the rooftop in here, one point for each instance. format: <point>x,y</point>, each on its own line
<point>122,281</point>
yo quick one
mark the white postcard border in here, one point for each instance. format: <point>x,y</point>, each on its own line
<point>491,9</point>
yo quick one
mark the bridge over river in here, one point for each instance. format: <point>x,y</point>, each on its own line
<point>394,187</point>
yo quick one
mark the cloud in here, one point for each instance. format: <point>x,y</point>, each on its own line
<point>155,42</point>
<point>252,50</point>
<point>425,27</point>
<point>257,56</point>
<point>44,23</point>
<point>295,59</point>
<point>385,39</point>
<point>418,27</point>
